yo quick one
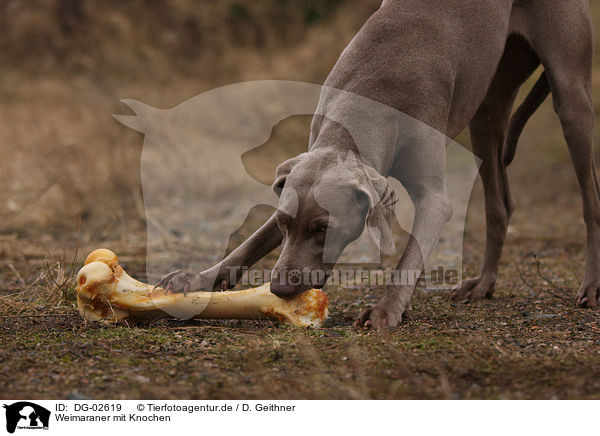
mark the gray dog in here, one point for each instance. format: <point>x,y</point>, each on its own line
<point>449,64</point>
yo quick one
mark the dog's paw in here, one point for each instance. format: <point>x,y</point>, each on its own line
<point>380,317</point>
<point>588,295</point>
<point>480,287</point>
<point>181,281</point>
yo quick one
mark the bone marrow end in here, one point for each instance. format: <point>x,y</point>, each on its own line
<point>102,255</point>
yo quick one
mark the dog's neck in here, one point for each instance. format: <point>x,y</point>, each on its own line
<point>334,139</point>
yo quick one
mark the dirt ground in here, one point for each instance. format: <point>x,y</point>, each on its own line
<point>529,341</point>
<point>524,343</point>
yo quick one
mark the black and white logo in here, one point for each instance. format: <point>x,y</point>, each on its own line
<point>26,415</point>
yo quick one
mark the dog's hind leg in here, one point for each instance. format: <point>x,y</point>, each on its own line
<point>488,130</point>
<point>566,53</point>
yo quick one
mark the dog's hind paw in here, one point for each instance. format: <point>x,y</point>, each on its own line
<point>588,295</point>
<point>480,287</point>
<point>380,317</point>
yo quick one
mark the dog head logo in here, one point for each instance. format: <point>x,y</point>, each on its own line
<point>26,415</point>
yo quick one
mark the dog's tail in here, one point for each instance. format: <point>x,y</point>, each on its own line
<point>536,97</point>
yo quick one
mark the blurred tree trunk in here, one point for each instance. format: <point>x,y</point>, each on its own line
<point>70,15</point>
<point>4,21</point>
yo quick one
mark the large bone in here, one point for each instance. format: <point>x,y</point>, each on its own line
<point>106,292</point>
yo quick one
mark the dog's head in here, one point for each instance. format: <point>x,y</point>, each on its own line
<point>325,201</point>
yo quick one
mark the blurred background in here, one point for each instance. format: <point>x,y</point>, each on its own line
<point>67,164</point>
<point>72,173</point>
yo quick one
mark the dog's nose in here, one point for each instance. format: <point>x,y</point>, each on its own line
<point>281,288</point>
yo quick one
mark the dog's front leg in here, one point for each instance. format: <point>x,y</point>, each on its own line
<point>226,273</point>
<point>432,212</point>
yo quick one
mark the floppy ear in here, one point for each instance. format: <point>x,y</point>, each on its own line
<point>381,200</point>
<point>282,172</point>
<point>143,117</point>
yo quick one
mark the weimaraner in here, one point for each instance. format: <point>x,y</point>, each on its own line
<point>450,64</point>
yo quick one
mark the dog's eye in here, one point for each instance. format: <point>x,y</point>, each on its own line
<point>321,228</point>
